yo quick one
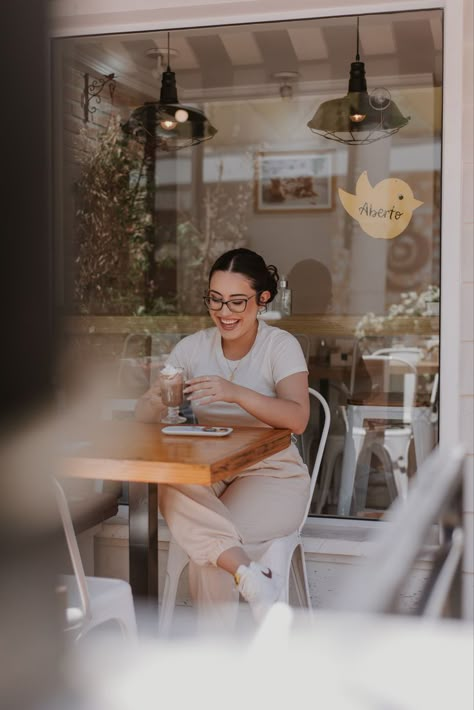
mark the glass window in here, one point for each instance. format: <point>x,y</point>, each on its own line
<point>347,208</point>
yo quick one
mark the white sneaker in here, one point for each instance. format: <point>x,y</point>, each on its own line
<point>259,586</point>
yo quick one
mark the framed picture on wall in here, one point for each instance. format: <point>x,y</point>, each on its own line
<point>294,182</point>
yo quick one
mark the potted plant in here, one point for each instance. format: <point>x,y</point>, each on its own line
<point>431,298</point>
<point>412,305</point>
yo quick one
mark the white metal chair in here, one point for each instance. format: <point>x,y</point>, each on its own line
<point>332,456</point>
<point>142,356</point>
<point>92,601</point>
<point>390,362</point>
<point>285,555</point>
<point>413,419</point>
<point>396,439</point>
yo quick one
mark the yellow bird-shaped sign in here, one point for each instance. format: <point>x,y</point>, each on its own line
<point>383,211</point>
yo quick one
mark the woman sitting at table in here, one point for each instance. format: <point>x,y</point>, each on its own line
<point>242,372</point>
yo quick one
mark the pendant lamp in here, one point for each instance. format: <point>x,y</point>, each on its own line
<point>172,125</point>
<point>358,118</point>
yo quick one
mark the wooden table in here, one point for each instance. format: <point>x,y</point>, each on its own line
<point>141,455</point>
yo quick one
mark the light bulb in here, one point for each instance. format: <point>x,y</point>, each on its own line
<point>181,115</point>
<point>286,92</point>
<point>357,117</point>
<point>168,124</point>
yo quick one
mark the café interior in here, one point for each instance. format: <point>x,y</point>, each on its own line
<point>316,142</point>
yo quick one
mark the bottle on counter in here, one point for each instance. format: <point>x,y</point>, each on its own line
<point>282,301</point>
<point>324,353</point>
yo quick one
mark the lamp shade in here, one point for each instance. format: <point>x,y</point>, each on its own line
<point>357,118</point>
<point>167,122</point>
<point>335,120</point>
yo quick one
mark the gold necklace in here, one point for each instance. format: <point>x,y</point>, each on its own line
<point>232,370</point>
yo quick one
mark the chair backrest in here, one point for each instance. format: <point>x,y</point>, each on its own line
<point>73,548</point>
<point>435,497</point>
<point>305,343</point>
<point>411,354</point>
<point>434,391</point>
<point>382,369</point>
<point>308,438</point>
<point>136,344</point>
<point>143,355</point>
<point>163,342</point>
<point>136,374</point>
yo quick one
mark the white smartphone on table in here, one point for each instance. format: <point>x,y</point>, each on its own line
<point>197,430</point>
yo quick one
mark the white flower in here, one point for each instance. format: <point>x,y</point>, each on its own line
<point>411,304</point>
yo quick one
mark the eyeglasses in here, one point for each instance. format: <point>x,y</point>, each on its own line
<point>236,305</point>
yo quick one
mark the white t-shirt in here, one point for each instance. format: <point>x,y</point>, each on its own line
<point>275,354</point>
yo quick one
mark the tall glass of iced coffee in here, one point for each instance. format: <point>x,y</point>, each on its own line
<point>171,388</point>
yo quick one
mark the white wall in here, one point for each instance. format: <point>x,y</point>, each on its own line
<point>466,393</point>
<point>329,558</point>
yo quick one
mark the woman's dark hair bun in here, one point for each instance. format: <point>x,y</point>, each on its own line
<point>273,271</point>
<point>252,266</point>
<point>273,279</point>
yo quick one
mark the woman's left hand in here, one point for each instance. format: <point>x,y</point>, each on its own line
<point>210,388</point>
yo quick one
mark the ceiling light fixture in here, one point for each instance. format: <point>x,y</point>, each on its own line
<point>285,78</point>
<point>172,125</point>
<point>358,118</point>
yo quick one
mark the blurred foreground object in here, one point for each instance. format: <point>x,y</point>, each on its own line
<point>435,499</point>
<point>30,640</point>
<point>346,662</point>
<point>28,352</point>
<point>31,643</point>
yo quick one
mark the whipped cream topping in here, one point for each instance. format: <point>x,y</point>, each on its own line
<point>170,371</point>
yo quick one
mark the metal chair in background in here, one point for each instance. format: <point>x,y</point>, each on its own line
<point>392,402</point>
<point>143,354</point>
<point>305,343</point>
<point>390,444</point>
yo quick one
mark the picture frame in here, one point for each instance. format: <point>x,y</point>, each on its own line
<point>297,181</point>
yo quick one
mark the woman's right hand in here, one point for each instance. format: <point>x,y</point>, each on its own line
<point>209,389</point>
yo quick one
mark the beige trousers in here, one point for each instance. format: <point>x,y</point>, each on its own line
<point>248,509</point>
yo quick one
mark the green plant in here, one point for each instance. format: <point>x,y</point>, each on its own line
<point>222,226</point>
<point>111,248</point>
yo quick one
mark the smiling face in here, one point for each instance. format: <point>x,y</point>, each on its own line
<point>229,285</point>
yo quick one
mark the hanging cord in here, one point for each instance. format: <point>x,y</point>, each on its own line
<point>168,68</point>
<point>357,54</point>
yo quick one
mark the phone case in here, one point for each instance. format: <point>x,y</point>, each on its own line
<point>195,430</point>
